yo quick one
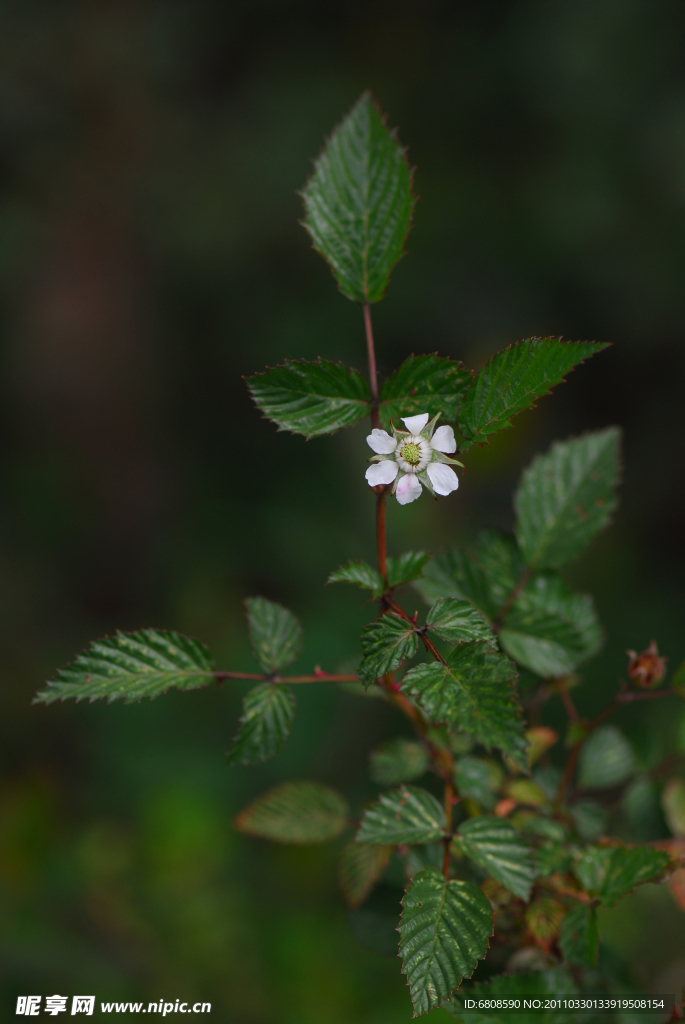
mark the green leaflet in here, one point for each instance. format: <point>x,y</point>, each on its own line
<point>359,868</point>
<point>275,634</point>
<point>610,872</point>
<point>426,383</point>
<point>295,812</point>
<point>358,202</point>
<point>579,938</point>
<point>673,805</point>
<point>360,573</point>
<point>311,398</point>
<point>398,760</point>
<point>457,621</point>
<point>496,846</point>
<point>268,712</point>
<point>485,578</point>
<point>401,569</point>
<point>473,692</point>
<point>513,379</point>
<point>478,779</point>
<point>386,644</point>
<point>405,815</point>
<point>405,568</point>
<point>551,630</point>
<point>444,931</point>
<point>566,496</point>
<point>535,984</point>
<point>130,666</point>
<point>606,759</point>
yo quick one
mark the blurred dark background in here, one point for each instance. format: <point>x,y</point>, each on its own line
<point>150,255</point>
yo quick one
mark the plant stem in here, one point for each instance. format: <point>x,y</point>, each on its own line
<point>567,701</point>
<point>317,677</point>
<point>373,373</point>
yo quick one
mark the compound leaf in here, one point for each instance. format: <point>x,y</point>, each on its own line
<point>457,621</point>
<point>606,759</point>
<point>360,573</point>
<point>405,815</point>
<point>610,872</point>
<point>512,381</point>
<point>444,931</point>
<point>311,398</point>
<point>496,846</point>
<point>268,712</point>
<point>579,937</point>
<point>426,383</point>
<point>398,760</point>
<point>386,644</point>
<point>566,496</point>
<point>358,202</point>
<point>275,634</point>
<point>130,666</point>
<point>359,868</point>
<point>295,812</point>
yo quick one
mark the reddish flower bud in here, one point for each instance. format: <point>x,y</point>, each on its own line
<point>646,669</point>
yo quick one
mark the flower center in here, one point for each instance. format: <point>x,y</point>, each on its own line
<point>411,453</point>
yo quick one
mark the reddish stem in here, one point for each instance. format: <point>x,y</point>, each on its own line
<point>373,372</point>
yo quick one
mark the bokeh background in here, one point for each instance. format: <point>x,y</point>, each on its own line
<point>150,256</point>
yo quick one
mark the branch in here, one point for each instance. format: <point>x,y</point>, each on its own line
<point>317,677</point>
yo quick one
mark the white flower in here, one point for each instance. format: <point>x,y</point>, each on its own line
<point>413,457</point>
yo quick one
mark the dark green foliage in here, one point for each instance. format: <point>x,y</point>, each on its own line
<point>358,202</point>
<point>359,868</point>
<point>445,930</point>
<point>610,872</point>
<point>295,812</point>
<point>457,621</point>
<point>485,578</point>
<point>496,846</point>
<point>130,666</point>
<point>311,398</point>
<point>579,937</point>
<point>536,984</point>
<point>606,759</point>
<point>398,760</point>
<point>405,815</point>
<point>512,381</point>
<point>360,573</point>
<point>386,644</point>
<point>477,779</point>
<point>268,712</point>
<point>275,634</point>
<point>423,384</point>
<point>405,568</point>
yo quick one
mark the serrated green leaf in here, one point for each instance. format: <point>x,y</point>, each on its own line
<point>606,759</point>
<point>673,805</point>
<point>445,930</point>
<point>408,814</point>
<point>268,712</point>
<point>542,985</point>
<point>485,577</point>
<point>473,692</point>
<point>311,398</point>
<point>552,857</point>
<point>495,845</point>
<point>610,872</point>
<point>566,496</point>
<point>359,868</point>
<point>275,634</point>
<point>386,644</point>
<point>457,621</point>
<point>360,573</point>
<point>514,379</point>
<point>405,568</point>
<point>130,666</point>
<point>358,202</point>
<point>551,630</point>
<point>478,779</point>
<point>398,760</point>
<point>295,812</point>
<point>579,938</point>
<point>426,383</point>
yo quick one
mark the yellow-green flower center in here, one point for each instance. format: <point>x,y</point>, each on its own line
<point>411,453</point>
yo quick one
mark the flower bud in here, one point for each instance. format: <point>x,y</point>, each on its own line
<point>646,669</point>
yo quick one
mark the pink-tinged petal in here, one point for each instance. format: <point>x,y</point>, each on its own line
<point>444,479</point>
<point>408,489</point>
<point>443,440</point>
<point>415,424</point>
<point>381,442</point>
<point>382,472</point>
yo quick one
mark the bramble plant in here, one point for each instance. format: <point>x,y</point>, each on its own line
<point>508,834</point>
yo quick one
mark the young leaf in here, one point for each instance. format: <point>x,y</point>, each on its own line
<point>457,621</point>
<point>405,568</point>
<point>360,573</point>
<point>512,381</point>
<point>130,666</point>
<point>610,872</point>
<point>268,712</point>
<point>424,384</point>
<point>311,398</point>
<point>479,780</point>
<point>445,930</point>
<point>579,937</point>
<point>386,644</point>
<point>566,496</point>
<point>496,846</point>
<point>275,634</point>
<point>551,630</point>
<point>544,917</point>
<point>490,996</point>
<point>606,759</point>
<point>398,760</point>
<point>473,692</point>
<point>359,868</point>
<point>405,815</point>
<point>295,812</point>
<point>358,202</point>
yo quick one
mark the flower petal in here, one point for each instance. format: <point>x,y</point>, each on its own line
<point>443,440</point>
<point>408,489</point>
<point>415,424</point>
<point>382,472</point>
<point>381,442</point>
<point>444,479</point>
